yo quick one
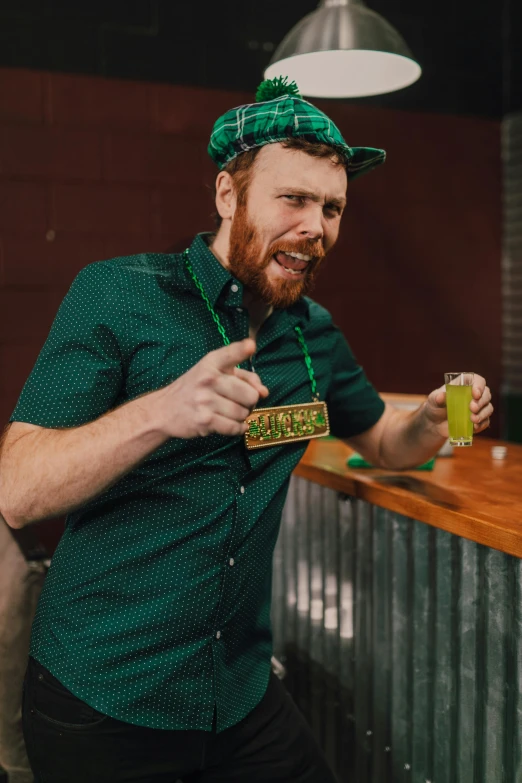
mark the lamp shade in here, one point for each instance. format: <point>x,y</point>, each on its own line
<point>344,50</point>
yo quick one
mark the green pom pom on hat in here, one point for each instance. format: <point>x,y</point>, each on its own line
<point>281,113</point>
<point>275,88</point>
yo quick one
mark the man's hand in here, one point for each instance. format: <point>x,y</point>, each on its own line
<point>213,396</point>
<point>481,408</point>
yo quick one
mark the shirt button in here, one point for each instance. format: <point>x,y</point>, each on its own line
<point>234,288</point>
<point>239,309</point>
<point>242,490</point>
<point>231,561</point>
<point>218,635</point>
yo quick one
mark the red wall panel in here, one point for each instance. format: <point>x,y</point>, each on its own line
<point>50,153</point>
<point>23,208</point>
<point>21,97</point>
<point>78,101</point>
<point>48,263</point>
<point>102,208</point>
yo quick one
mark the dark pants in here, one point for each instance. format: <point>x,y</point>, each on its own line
<point>69,742</point>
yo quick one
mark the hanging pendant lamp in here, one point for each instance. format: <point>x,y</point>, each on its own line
<point>344,50</point>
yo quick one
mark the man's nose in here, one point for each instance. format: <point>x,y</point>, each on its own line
<point>312,223</point>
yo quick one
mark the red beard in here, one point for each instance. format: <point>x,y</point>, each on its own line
<point>247,265</point>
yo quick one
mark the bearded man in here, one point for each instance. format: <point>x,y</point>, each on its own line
<point>151,648</point>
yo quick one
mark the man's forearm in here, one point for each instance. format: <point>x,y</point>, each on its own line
<point>48,473</point>
<point>409,439</point>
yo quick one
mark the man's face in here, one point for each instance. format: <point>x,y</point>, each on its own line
<point>294,205</point>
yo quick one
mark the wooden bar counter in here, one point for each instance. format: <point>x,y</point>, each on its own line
<point>469,493</point>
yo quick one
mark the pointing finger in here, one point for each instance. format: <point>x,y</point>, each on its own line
<point>228,357</point>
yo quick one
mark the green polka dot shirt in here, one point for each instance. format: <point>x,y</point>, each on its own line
<point>156,608</point>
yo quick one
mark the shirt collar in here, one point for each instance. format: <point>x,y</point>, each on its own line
<point>210,272</point>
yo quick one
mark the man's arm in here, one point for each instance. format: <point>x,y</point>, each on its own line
<point>48,472</point>
<point>405,439</point>
<point>400,440</point>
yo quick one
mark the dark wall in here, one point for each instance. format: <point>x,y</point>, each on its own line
<point>459,45</point>
<point>415,281</point>
<point>512,59</point>
<point>93,168</point>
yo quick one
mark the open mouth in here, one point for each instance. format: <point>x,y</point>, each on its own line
<point>294,263</point>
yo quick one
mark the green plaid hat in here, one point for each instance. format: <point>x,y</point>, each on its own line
<point>279,113</point>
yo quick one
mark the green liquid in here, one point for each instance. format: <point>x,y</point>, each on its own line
<point>460,425</point>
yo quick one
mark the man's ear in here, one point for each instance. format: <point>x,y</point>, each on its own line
<point>225,195</point>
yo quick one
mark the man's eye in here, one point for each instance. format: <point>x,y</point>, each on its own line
<point>332,210</point>
<point>295,198</point>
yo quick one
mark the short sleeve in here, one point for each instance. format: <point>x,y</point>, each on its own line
<point>353,403</point>
<point>79,372</point>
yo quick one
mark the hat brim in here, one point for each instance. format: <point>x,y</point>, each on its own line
<point>363,159</point>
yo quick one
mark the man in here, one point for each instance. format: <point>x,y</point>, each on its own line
<point>22,573</point>
<point>151,646</point>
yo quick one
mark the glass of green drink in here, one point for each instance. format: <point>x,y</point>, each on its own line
<point>458,397</point>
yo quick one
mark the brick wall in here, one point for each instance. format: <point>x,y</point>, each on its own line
<point>91,168</point>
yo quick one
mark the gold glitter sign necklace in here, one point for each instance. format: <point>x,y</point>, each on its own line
<point>284,423</point>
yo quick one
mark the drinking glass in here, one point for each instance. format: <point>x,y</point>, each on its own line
<point>458,397</point>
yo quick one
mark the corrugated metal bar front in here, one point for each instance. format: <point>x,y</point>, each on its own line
<point>402,643</point>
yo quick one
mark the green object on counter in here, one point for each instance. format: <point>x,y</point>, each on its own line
<point>356,461</point>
